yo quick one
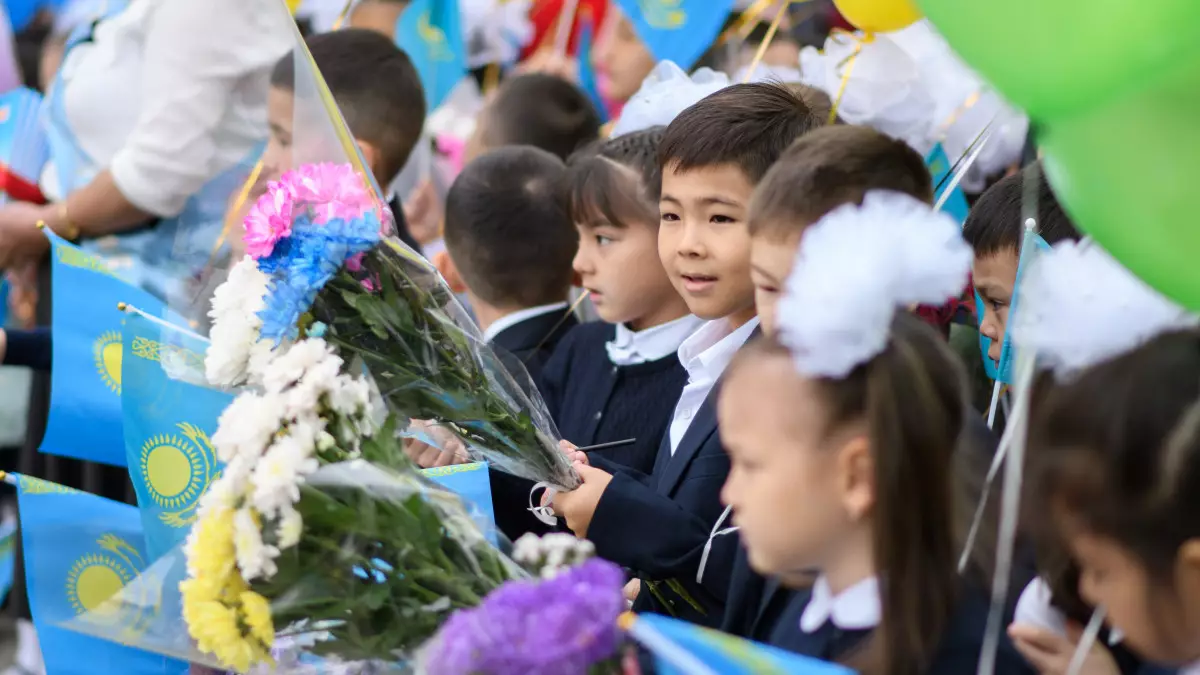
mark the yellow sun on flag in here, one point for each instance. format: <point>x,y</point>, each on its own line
<point>173,470</point>
<point>93,580</point>
<point>107,353</point>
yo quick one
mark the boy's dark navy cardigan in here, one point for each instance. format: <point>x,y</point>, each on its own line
<point>592,401</point>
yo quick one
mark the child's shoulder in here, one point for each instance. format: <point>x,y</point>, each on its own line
<point>965,635</point>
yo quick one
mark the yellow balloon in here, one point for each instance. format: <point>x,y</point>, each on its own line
<point>880,16</point>
<point>292,5</point>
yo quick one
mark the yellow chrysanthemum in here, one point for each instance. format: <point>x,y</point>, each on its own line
<point>256,613</point>
<point>240,654</point>
<point>213,553</point>
<point>212,624</point>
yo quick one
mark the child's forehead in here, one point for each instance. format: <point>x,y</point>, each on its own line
<point>723,182</point>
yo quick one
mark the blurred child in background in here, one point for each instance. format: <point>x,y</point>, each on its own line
<point>536,109</point>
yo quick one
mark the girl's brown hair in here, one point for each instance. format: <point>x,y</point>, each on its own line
<point>617,181</point>
<point>1117,450</point>
<point>913,399</point>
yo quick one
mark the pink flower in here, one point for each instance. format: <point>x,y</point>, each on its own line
<point>332,191</point>
<point>269,220</point>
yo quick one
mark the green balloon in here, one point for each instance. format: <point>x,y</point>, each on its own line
<point>1054,57</point>
<point>1128,172</point>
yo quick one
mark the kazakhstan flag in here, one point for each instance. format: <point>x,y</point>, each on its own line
<point>169,419</point>
<point>430,32</point>
<point>677,30</point>
<point>81,550</point>
<point>942,172</point>
<point>682,648</point>
<point>85,380</point>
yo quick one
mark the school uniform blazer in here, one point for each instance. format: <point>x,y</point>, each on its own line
<point>531,342</point>
<point>958,652</point>
<point>523,349</point>
<point>658,525</point>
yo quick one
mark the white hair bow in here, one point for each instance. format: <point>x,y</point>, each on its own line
<point>855,267</point>
<point>666,92</point>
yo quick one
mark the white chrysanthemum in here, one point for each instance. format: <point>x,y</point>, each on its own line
<point>855,267</point>
<point>279,474</point>
<point>247,426</point>
<point>254,558</point>
<point>1078,306</point>
<point>225,493</point>
<point>236,325</point>
<point>291,526</point>
<point>290,366</point>
<point>350,396</point>
<point>261,354</point>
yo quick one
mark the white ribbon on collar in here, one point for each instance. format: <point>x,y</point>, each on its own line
<point>716,532</point>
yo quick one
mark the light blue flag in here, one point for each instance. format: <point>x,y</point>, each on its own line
<point>80,551</point>
<point>471,483</point>
<point>85,380</point>
<point>1031,245</point>
<point>941,170</point>
<point>169,419</point>
<point>587,74</point>
<point>23,145</point>
<point>8,540</point>
<point>682,648</point>
<point>430,31</point>
<point>677,30</point>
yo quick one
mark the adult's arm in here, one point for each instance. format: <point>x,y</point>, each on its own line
<point>196,57</point>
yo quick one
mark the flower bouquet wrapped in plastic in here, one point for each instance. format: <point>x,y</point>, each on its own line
<point>318,534</point>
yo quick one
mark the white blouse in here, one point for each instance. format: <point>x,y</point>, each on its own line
<point>169,94</point>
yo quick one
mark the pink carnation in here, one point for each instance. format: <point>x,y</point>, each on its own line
<point>269,220</point>
<point>332,191</point>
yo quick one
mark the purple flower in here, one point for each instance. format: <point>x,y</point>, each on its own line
<point>560,626</point>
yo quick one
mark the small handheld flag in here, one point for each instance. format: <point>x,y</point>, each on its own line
<point>430,31</point>
<point>677,30</point>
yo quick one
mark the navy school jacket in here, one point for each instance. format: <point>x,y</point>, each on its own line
<point>957,653</point>
<point>658,525</point>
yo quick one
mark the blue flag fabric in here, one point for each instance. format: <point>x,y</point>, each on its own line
<point>23,145</point>
<point>471,483</point>
<point>430,32</point>
<point>8,540</point>
<point>940,169</point>
<point>85,381</point>
<point>587,74</point>
<point>169,418</point>
<point>677,30</point>
<point>81,550</point>
<point>719,652</point>
<point>1031,245</point>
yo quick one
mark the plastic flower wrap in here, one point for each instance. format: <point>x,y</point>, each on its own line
<point>318,534</point>
<point>319,265</point>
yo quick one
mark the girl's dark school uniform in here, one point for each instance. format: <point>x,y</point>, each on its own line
<point>593,401</point>
<point>958,652</point>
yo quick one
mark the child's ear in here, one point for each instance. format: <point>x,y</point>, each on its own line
<point>372,157</point>
<point>856,475</point>
<point>1188,570</point>
<point>445,264</point>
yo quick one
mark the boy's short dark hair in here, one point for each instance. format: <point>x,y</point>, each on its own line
<point>541,110</point>
<point>617,181</point>
<point>996,221</point>
<point>828,168</point>
<point>748,125</point>
<point>376,87</point>
<point>507,228</point>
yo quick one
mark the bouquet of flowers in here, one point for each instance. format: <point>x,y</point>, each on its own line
<point>319,264</point>
<point>318,526</point>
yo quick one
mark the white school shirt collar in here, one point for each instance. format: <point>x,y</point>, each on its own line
<point>704,355</point>
<point>856,608</point>
<point>509,320</point>
<point>629,348</point>
<point>710,349</point>
<point>1190,669</point>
